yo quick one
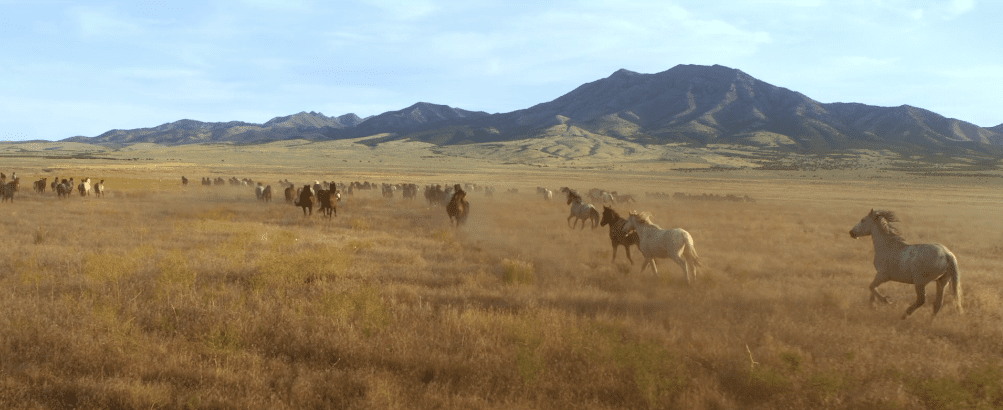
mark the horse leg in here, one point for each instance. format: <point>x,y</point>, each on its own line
<point>654,267</point>
<point>878,280</point>
<point>569,220</point>
<point>686,268</point>
<point>626,248</point>
<point>583,223</point>
<point>615,246</point>
<point>939,302</point>
<point>920,300</point>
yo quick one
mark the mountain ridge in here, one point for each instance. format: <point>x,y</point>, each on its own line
<point>686,103</point>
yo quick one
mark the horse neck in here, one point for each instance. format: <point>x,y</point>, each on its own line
<point>884,240</point>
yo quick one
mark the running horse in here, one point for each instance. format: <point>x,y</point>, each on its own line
<point>458,208</point>
<point>619,233</point>
<point>655,242</point>
<point>917,264</point>
<point>581,211</point>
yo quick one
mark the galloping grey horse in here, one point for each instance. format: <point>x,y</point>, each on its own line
<point>914,264</point>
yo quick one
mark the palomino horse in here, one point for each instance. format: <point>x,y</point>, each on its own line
<point>458,208</point>
<point>915,264</point>
<point>582,212</point>
<point>656,242</point>
<point>619,234</point>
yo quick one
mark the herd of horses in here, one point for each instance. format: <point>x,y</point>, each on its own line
<point>63,188</point>
<point>894,259</point>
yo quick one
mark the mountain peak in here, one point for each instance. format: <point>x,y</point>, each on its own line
<point>623,72</point>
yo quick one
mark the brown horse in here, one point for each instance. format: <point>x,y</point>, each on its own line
<point>458,208</point>
<point>306,200</point>
<point>290,194</point>
<point>328,199</point>
<point>8,189</point>
<point>618,232</point>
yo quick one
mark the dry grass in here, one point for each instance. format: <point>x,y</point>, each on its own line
<point>205,298</point>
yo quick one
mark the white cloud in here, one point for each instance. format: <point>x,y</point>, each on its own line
<point>960,6</point>
<point>103,22</point>
<point>405,10</point>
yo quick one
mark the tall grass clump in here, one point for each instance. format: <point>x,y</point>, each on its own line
<point>518,272</point>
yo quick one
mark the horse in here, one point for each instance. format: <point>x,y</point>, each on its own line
<point>548,194</point>
<point>655,242</point>
<point>918,264</point>
<point>605,197</point>
<point>40,185</point>
<point>327,206</point>
<point>8,189</point>
<point>259,192</point>
<point>266,194</point>
<point>85,187</point>
<point>184,181</point>
<point>306,200</point>
<point>64,189</point>
<point>458,208</point>
<point>581,211</point>
<point>618,232</point>
<point>99,189</point>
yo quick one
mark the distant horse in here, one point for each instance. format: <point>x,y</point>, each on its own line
<point>458,208</point>
<point>328,202</point>
<point>582,212</point>
<point>64,189</point>
<point>619,234</point>
<point>259,192</point>
<point>290,193</point>
<point>656,242</point>
<point>606,198</point>
<point>306,200</point>
<point>8,189</point>
<point>54,183</point>
<point>85,187</point>
<point>548,194</point>
<point>40,185</point>
<point>914,264</point>
<point>266,194</point>
<point>99,189</point>
<point>184,181</point>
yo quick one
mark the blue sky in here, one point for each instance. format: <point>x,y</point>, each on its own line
<point>82,68</point>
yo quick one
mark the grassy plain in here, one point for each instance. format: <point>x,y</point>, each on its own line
<point>158,296</point>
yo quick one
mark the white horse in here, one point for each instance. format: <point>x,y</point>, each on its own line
<point>914,264</point>
<point>582,212</point>
<point>607,198</point>
<point>85,187</point>
<point>548,194</point>
<point>656,242</point>
<point>259,191</point>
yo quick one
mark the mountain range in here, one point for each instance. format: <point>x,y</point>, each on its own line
<point>687,103</point>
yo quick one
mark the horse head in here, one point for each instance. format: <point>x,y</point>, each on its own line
<point>863,228</point>
<point>607,216</point>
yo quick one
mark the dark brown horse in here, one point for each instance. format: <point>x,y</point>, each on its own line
<point>458,207</point>
<point>8,189</point>
<point>306,200</point>
<point>328,202</point>
<point>618,233</point>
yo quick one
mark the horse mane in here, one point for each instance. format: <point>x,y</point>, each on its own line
<point>642,217</point>
<point>572,195</point>
<point>884,221</point>
<point>612,212</point>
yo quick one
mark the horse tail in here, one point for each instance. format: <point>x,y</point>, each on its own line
<point>955,278</point>
<point>691,252</point>
<point>594,214</point>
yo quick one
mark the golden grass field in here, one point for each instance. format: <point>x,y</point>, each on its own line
<point>159,296</point>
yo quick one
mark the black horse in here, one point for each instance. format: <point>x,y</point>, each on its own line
<point>617,233</point>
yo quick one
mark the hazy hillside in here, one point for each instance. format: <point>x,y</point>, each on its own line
<point>688,103</point>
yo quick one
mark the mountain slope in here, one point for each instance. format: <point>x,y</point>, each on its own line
<point>687,103</point>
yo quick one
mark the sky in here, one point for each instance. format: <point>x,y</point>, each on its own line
<point>72,68</point>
